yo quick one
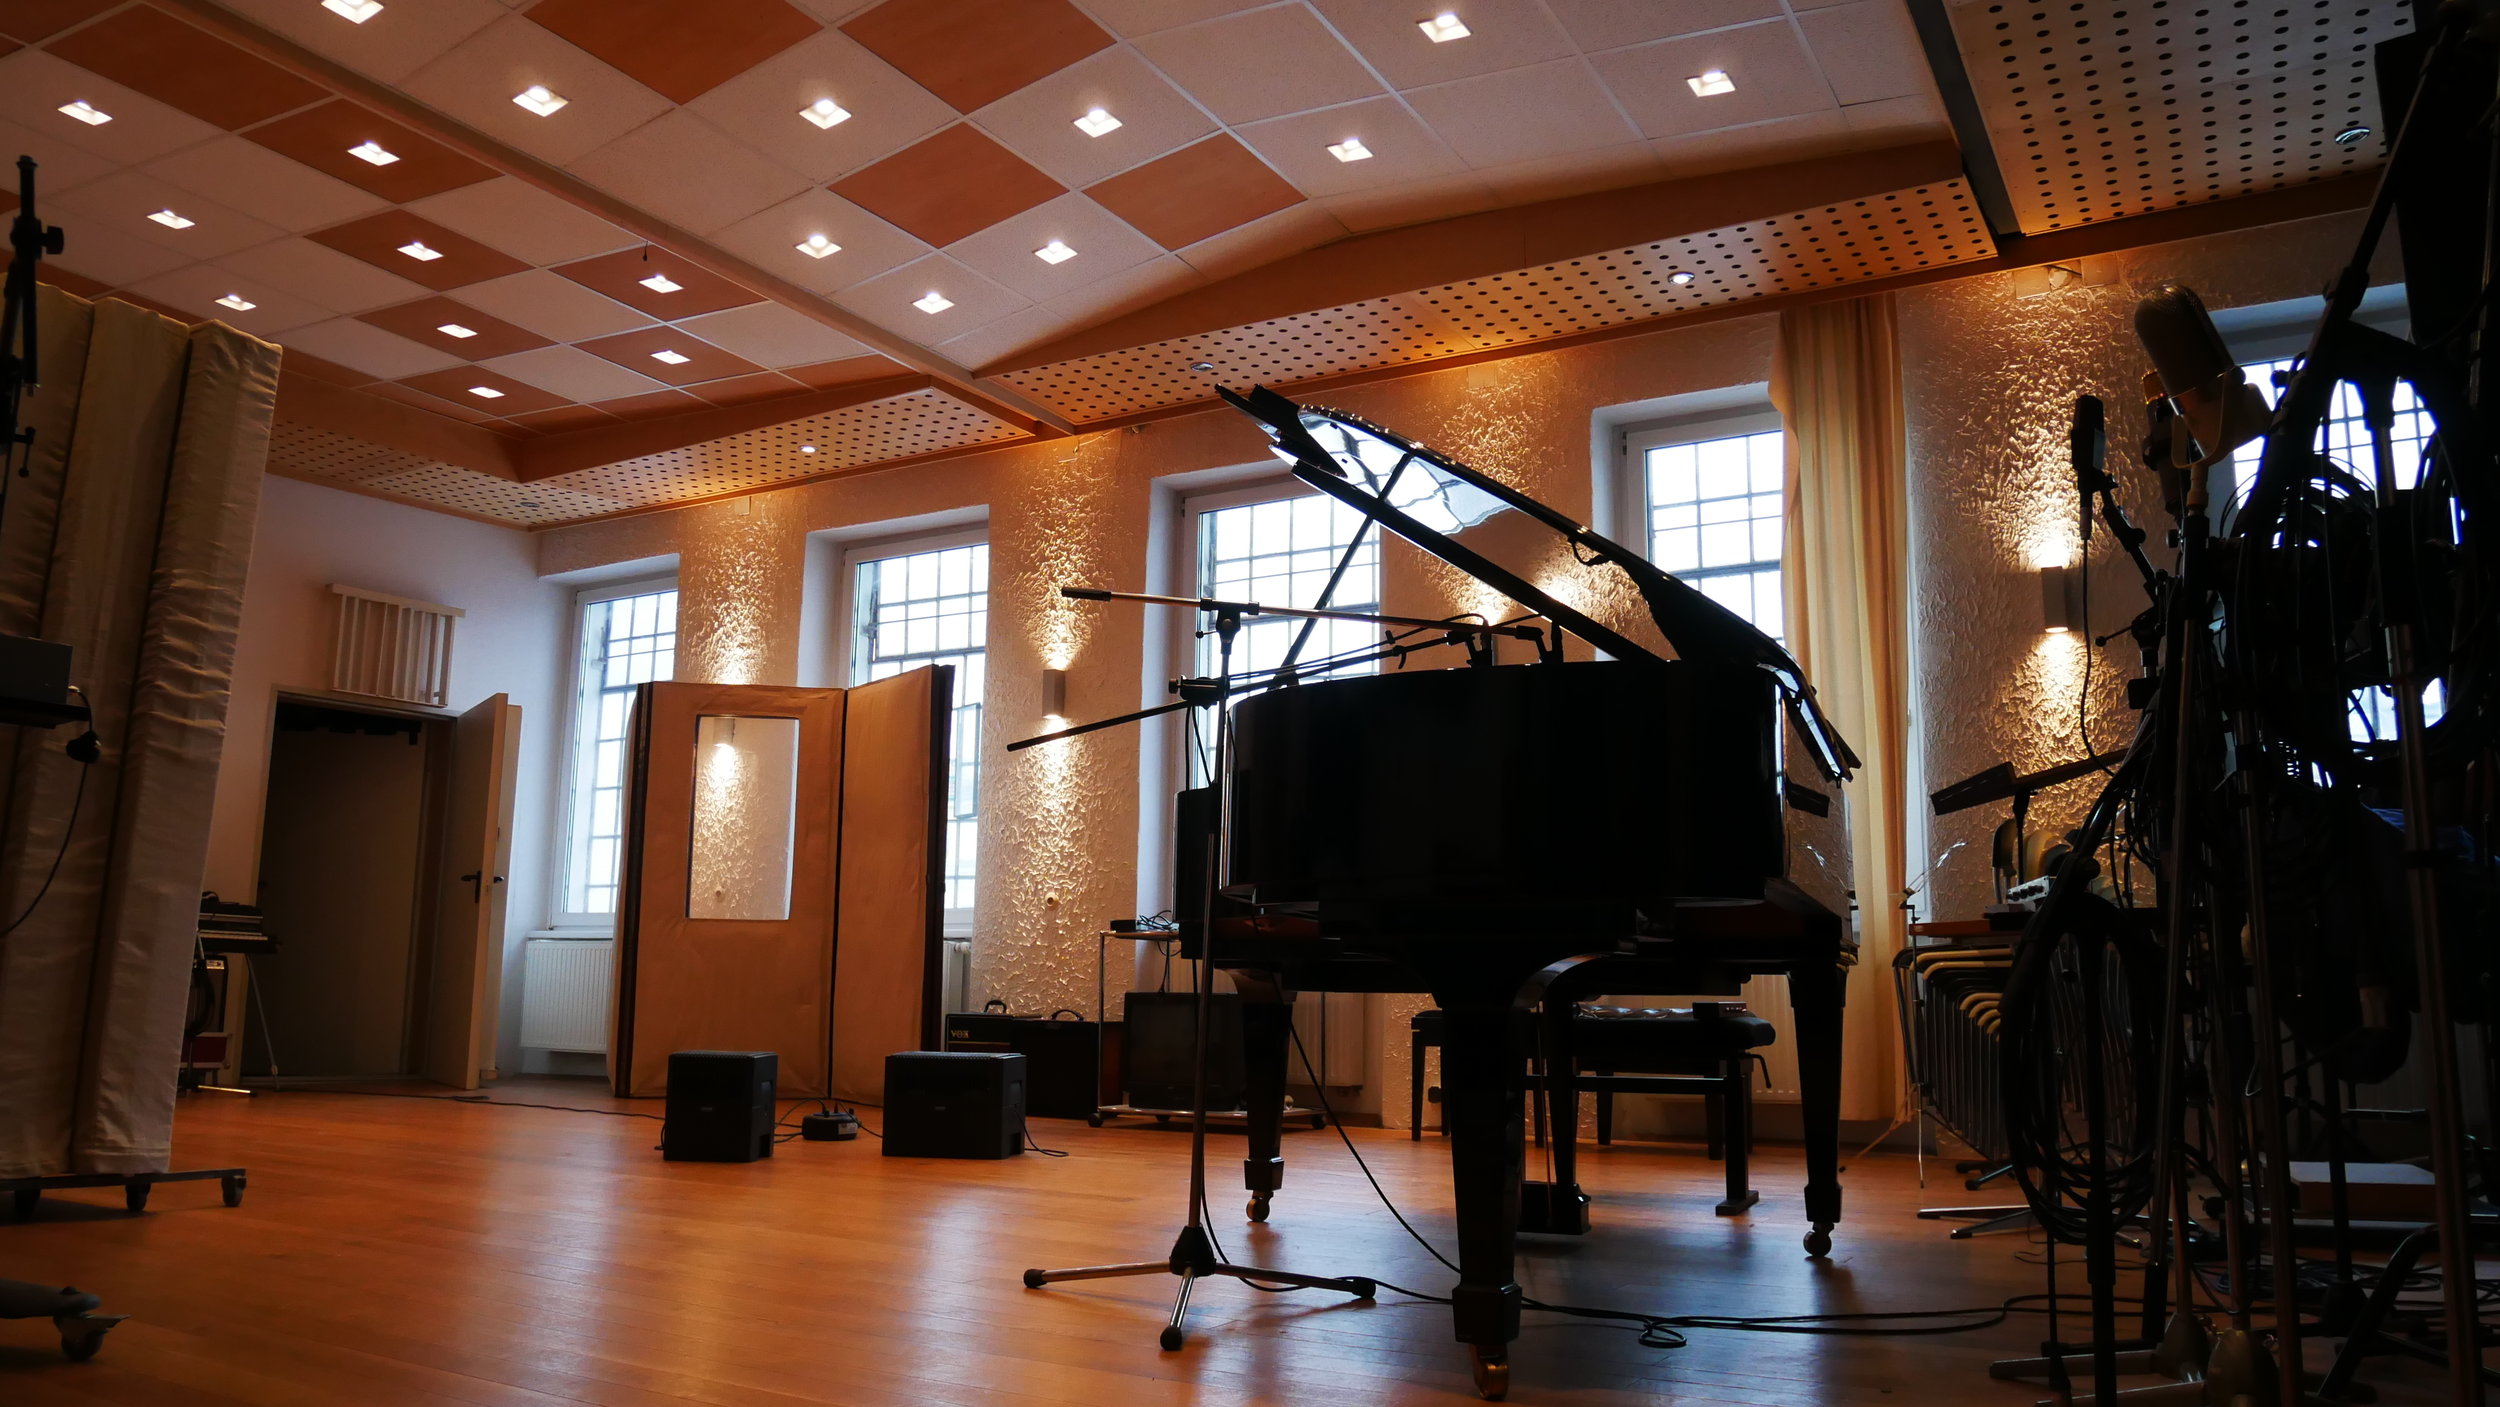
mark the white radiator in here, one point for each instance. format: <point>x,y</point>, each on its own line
<point>955,974</point>
<point>1767,997</point>
<point>564,993</point>
<point>1335,1030</point>
<point>390,647</point>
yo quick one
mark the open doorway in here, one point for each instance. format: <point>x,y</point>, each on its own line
<point>384,837</point>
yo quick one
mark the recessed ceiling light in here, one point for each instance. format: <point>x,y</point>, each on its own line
<point>933,302</point>
<point>1443,27</point>
<point>670,358</point>
<point>660,283</point>
<point>353,11</point>
<point>825,112</point>
<point>1351,149</point>
<point>1055,252</point>
<point>453,329</point>
<point>1710,84</point>
<point>1096,122</point>
<point>538,99</point>
<point>237,302</point>
<point>816,246</point>
<point>172,221</point>
<point>374,152</point>
<point>807,449</point>
<point>1681,277</point>
<point>486,393</point>
<point>2345,138</point>
<point>416,249</point>
<point>87,112</point>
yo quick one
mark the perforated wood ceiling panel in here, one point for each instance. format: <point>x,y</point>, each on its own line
<point>303,452</point>
<point>1838,244</point>
<point>2100,109</point>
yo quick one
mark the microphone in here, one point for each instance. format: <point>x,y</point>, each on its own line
<point>2087,449</point>
<point>1084,593</point>
<point>2223,412</point>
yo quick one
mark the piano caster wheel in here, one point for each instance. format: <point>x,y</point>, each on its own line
<point>1819,1242</point>
<point>1173,1338</point>
<point>1492,1369</point>
<point>1257,1210</point>
<point>1034,1279</point>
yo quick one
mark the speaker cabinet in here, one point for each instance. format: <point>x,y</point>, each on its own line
<point>1162,1049</point>
<point>720,1106</point>
<point>954,1104</point>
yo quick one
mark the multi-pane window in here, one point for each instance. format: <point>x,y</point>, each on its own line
<point>1279,552</point>
<point>924,608</point>
<point>1713,517</point>
<point>627,638</point>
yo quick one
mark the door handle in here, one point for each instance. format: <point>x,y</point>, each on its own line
<point>471,879</point>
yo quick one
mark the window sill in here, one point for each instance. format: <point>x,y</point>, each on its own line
<point>576,933</point>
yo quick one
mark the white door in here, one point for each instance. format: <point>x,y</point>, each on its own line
<point>465,983</point>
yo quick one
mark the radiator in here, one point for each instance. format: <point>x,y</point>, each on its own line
<point>564,993</point>
<point>955,975</point>
<point>1335,1030</point>
<point>1767,997</point>
<point>390,647</point>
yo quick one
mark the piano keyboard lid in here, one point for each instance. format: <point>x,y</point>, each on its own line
<point>1594,588</point>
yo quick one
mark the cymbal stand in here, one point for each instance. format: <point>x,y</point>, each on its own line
<point>1193,1257</point>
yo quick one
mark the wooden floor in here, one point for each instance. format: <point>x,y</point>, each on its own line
<point>391,1251</point>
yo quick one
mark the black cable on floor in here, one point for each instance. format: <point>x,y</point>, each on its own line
<point>471,1099</point>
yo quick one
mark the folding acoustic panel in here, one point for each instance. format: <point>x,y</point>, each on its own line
<point>889,950</point>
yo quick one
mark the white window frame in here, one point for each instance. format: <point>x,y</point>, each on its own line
<point>1631,478</point>
<point>956,923</point>
<point>577,717</point>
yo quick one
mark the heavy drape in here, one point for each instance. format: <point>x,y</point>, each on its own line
<point>126,540</point>
<point>1837,383</point>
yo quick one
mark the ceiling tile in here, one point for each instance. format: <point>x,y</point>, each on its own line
<point>833,11</point>
<point>642,352</point>
<point>1001,339</point>
<point>1501,34</point>
<point>368,349</point>
<point>657,403</point>
<point>1104,246</point>
<point>62,166</point>
<point>33,20</point>
<point>573,374</point>
<point>285,192</point>
<point>523,221</point>
<point>147,49</point>
<point>827,375</point>
<point>1574,173</point>
<point>562,419</point>
<point>115,259</point>
<point>1921,114</point>
<point>457,385</point>
<point>1760,144</point>
<point>770,240</point>
<point>1523,114</point>
<point>423,320</point>
<point>1196,192</point>
<point>948,186</point>
<point>974,52</point>
<point>322,137</point>
<point>72,281</point>
<point>1123,292</point>
<point>678,53</point>
<point>1264,63</point>
<point>1263,241</point>
<point>1403,150</point>
<point>1039,123</point>
<point>390,45</point>
<point>197,288</point>
<point>1435,198</point>
<point>476,81</point>
<point>378,239</point>
<point>739,390</point>
<point>322,274</point>
<point>761,107</point>
<point>1869,51</point>
<point>304,363</point>
<point>407,395</point>
<point>1611,24</point>
<point>888,300</point>
<point>34,86</point>
<point>124,201</point>
<point>769,334</point>
<point>1134,17</point>
<point>620,276</point>
<point>1774,78</point>
<point>552,306</point>
<point>690,173</point>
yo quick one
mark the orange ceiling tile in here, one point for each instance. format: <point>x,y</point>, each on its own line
<point>409,395</point>
<point>456,384</point>
<point>738,390</point>
<point>826,375</point>
<point>172,62</point>
<point>678,50</point>
<point>423,321</point>
<point>69,282</point>
<point>635,351</point>
<point>563,418</point>
<point>949,185</point>
<point>1195,192</point>
<point>620,276</point>
<point>321,137</point>
<point>377,239</point>
<point>32,20</point>
<point>652,403</point>
<point>974,52</point>
<point>319,369</point>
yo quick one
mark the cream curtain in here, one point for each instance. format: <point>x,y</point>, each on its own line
<point>1837,383</point>
<point>127,540</point>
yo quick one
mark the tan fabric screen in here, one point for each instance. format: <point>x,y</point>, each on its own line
<point>886,957</point>
<point>128,542</point>
<point>1837,383</point>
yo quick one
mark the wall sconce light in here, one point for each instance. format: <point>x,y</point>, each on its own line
<point>2060,612</point>
<point>1055,693</point>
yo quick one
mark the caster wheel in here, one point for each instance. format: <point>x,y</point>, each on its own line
<point>1492,1369</point>
<point>1034,1280</point>
<point>80,1347</point>
<point>1162,1120</point>
<point>23,1202</point>
<point>1257,1210</point>
<point>233,1189</point>
<point>1173,1338</point>
<point>1319,1121</point>
<point>1819,1242</point>
<point>1093,1121</point>
<point>135,1196</point>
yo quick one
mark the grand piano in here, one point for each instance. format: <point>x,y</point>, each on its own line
<point>1652,804</point>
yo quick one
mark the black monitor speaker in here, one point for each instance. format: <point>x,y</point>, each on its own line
<point>954,1104</point>
<point>1160,1042</point>
<point>720,1106</point>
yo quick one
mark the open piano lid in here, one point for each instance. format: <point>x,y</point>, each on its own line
<point>1590,586</point>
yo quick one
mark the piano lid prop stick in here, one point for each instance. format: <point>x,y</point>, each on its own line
<point>1253,608</point>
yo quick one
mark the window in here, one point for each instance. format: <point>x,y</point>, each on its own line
<point>1707,499</point>
<point>911,608</point>
<point>1276,547</point>
<point>628,636</point>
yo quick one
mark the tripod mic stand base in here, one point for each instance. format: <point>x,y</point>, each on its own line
<point>1193,1258</point>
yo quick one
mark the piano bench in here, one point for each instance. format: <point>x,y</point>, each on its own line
<point>1707,1050</point>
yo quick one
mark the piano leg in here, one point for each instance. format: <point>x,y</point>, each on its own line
<point>1267,1041</point>
<point>1481,1057</point>
<point>1815,994</point>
